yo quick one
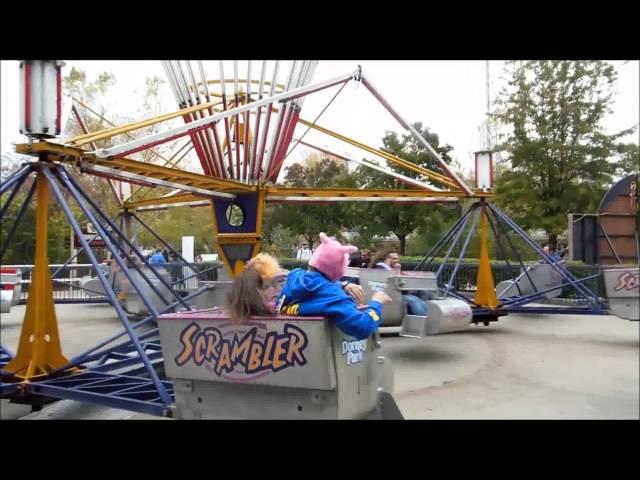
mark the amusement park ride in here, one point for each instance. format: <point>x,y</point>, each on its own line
<point>190,362</point>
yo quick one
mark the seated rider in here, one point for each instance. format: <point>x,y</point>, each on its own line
<point>255,290</point>
<point>317,291</point>
<point>415,305</point>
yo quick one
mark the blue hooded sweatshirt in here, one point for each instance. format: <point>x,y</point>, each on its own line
<point>311,293</point>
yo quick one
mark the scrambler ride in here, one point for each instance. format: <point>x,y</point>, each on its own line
<point>184,359</point>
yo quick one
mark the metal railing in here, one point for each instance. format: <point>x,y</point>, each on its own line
<point>466,276</point>
<point>465,280</point>
<point>67,282</point>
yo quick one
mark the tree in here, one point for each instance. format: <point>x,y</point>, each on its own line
<point>92,94</point>
<point>276,239</point>
<point>79,87</point>
<point>628,159</point>
<point>555,142</point>
<point>309,220</point>
<point>369,221</point>
<point>401,219</point>
<point>174,223</point>
<point>22,247</point>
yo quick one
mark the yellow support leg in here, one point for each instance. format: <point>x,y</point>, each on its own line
<point>39,350</point>
<point>486,292</point>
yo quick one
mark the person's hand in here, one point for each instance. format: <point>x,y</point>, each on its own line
<point>398,267</point>
<point>355,291</point>
<point>381,297</point>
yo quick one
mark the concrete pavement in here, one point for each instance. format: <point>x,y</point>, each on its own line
<point>522,367</point>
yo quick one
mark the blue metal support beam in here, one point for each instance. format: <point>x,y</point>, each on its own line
<point>14,227</point>
<point>461,228</point>
<point>18,176</point>
<point>72,185</point>
<point>515,251</point>
<point>429,257</point>
<point>452,277</point>
<point>92,354</point>
<point>588,294</point>
<point>162,389</point>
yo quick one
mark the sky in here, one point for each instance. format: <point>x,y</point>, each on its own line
<point>449,97</point>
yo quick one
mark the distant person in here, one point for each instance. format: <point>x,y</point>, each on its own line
<point>355,260</point>
<point>157,258</point>
<point>564,250</point>
<point>552,252</point>
<point>360,259</point>
<point>304,253</point>
<point>415,305</point>
<point>366,258</point>
<point>390,261</point>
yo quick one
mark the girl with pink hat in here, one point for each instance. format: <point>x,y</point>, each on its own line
<point>317,292</point>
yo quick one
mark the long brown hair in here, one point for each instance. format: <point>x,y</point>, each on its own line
<point>245,299</point>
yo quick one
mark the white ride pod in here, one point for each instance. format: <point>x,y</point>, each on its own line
<point>273,367</point>
<point>623,292</point>
<point>449,315</point>
<point>446,315</point>
<point>41,98</point>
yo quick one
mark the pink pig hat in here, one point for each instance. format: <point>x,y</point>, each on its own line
<point>331,258</point>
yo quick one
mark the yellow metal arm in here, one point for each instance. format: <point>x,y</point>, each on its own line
<point>111,132</point>
<point>356,192</point>
<point>438,177</point>
<point>65,153</point>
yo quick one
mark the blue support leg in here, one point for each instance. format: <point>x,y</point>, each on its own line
<point>455,241</point>
<point>162,390</point>
<point>517,254</point>
<point>426,261</point>
<point>76,193</point>
<point>12,195</point>
<point>14,227</point>
<point>588,294</point>
<point>462,252</point>
<point>18,176</point>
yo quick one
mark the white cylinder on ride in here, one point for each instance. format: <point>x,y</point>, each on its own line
<point>41,98</point>
<point>449,315</point>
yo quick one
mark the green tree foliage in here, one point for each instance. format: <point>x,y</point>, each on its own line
<point>91,92</point>
<point>309,220</point>
<point>559,154</point>
<point>172,224</point>
<point>21,250</point>
<point>401,219</point>
<point>369,221</point>
<point>628,159</point>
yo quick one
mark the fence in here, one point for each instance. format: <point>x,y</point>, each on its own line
<point>67,283</point>
<point>465,280</point>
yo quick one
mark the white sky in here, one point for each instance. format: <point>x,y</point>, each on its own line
<point>446,96</point>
